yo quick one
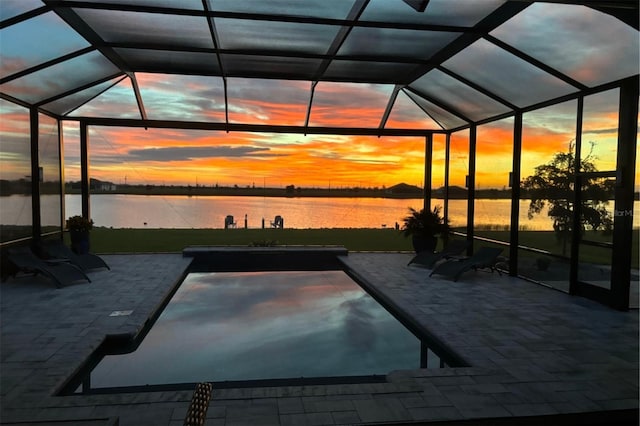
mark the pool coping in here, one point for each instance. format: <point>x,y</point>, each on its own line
<point>193,251</point>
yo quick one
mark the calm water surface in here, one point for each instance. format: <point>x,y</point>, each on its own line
<point>140,211</point>
<point>264,325</point>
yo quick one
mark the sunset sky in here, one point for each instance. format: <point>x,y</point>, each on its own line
<point>208,158</point>
<point>190,157</point>
<point>184,157</point>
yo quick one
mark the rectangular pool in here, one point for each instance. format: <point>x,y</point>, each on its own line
<point>248,326</point>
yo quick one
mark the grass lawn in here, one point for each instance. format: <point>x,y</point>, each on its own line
<point>108,240</point>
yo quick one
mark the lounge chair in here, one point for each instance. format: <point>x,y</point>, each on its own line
<point>229,222</point>
<point>278,222</point>
<point>59,270</point>
<point>427,260</point>
<point>57,250</point>
<point>484,258</point>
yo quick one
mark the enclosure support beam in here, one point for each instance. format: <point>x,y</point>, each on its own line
<point>623,212</point>
<point>389,107</point>
<point>136,92</point>
<point>36,220</point>
<point>574,285</point>
<point>428,169</point>
<point>471,185</point>
<point>61,175</point>
<point>514,183</point>
<point>447,151</point>
<point>260,128</point>
<point>84,170</point>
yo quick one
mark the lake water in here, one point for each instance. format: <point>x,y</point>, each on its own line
<point>302,324</point>
<point>140,211</point>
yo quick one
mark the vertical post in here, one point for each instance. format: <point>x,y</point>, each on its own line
<point>428,159</point>
<point>447,156</point>
<point>623,207</point>
<point>84,170</point>
<point>515,195</point>
<point>471,188</point>
<point>34,128</point>
<point>62,181</point>
<point>424,355</point>
<point>577,203</point>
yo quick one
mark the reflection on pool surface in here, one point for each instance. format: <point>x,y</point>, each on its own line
<point>233,326</point>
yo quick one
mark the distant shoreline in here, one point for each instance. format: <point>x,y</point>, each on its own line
<point>488,194</point>
<point>399,191</point>
<point>256,193</point>
<point>302,194</point>
<point>455,193</point>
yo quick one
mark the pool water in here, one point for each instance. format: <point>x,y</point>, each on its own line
<point>239,326</point>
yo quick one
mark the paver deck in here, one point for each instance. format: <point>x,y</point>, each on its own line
<point>533,351</point>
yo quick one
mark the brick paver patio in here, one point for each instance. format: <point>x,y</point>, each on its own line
<point>532,351</point>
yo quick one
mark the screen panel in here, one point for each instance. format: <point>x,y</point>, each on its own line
<point>15,173</point>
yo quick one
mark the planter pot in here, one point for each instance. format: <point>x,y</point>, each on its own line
<point>79,241</point>
<point>424,243</point>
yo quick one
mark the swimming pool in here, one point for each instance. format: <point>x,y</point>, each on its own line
<point>253,328</point>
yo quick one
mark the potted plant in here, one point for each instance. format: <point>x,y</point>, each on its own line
<point>79,228</point>
<point>424,226</point>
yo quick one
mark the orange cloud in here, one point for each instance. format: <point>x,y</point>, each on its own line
<point>246,159</point>
<point>175,156</point>
<point>15,123</point>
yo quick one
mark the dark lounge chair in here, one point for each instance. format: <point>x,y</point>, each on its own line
<point>59,270</point>
<point>57,250</point>
<point>278,222</point>
<point>428,260</point>
<point>229,222</point>
<point>484,258</point>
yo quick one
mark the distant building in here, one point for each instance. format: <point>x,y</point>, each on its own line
<point>103,186</point>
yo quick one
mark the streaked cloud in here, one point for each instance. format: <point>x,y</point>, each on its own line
<point>182,153</point>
